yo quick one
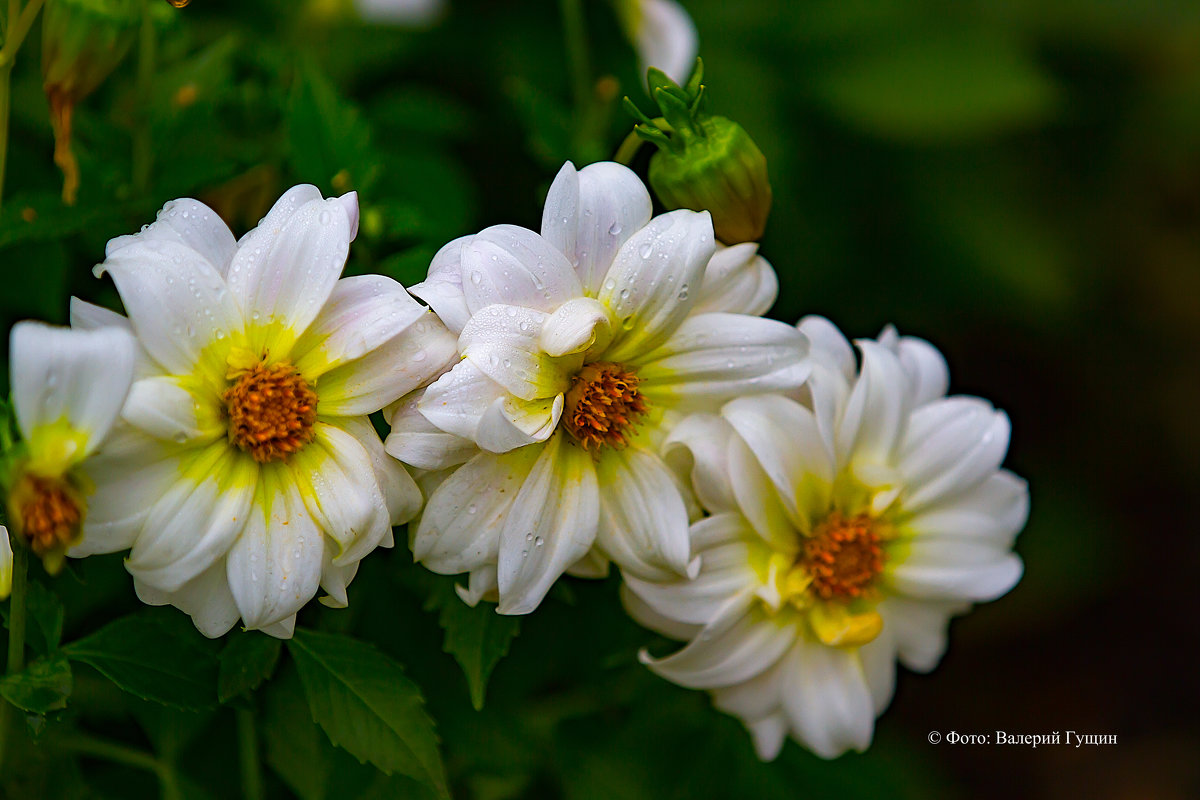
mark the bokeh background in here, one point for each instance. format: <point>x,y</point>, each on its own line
<point>1017,182</point>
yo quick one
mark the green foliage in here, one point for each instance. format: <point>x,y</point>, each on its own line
<point>477,637</point>
<point>153,657</point>
<point>43,686</point>
<point>364,702</point>
<point>247,660</point>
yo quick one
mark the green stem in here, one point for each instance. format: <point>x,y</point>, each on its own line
<point>629,148</point>
<point>577,53</point>
<point>143,143</point>
<point>109,751</point>
<point>5,104</point>
<point>252,783</point>
<point>16,637</point>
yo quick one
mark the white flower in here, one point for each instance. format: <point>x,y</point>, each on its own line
<point>248,472</point>
<point>663,35</point>
<point>68,387</point>
<point>578,348</point>
<point>844,532</point>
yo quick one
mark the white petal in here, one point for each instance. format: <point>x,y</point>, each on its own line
<point>404,13</point>
<point>503,343</point>
<point>443,288</point>
<point>335,579</point>
<point>647,617</point>
<point>785,441</point>
<point>514,266</point>
<point>757,698</point>
<point>175,409</point>
<point>284,270</point>
<point>63,375</point>
<point>419,443</point>
<point>457,401</point>
<point>759,500</point>
<point>643,522</point>
<point>826,698</point>
<point>828,345</point>
<point>590,213</point>
<point>575,327</point>
<point>665,37</point>
<point>926,368</point>
<point>400,492</point>
<point>697,449</point>
<point>388,372</point>
<point>87,316</point>
<point>205,598</point>
<point>918,629</point>
<point>460,527</point>
<point>655,279</point>
<point>769,734</point>
<point>954,444</point>
<point>739,281</point>
<point>363,312</point>
<point>482,584</point>
<point>994,511</point>
<point>131,473</point>
<point>510,422</point>
<point>877,408</point>
<point>725,573</point>
<point>6,564</point>
<point>593,566</point>
<point>274,568</point>
<point>714,357</point>
<point>945,568</point>
<point>196,521</point>
<point>177,302</point>
<point>189,223</point>
<point>738,645</point>
<point>879,667</point>
<point>334,477</point>
<point>550,526</point>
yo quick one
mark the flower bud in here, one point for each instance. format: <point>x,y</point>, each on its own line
<point>83,41</point>
<point>704,162</point>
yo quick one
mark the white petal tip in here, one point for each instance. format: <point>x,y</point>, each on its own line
<point>349,203</point>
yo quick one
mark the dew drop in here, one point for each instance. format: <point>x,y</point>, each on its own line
<point>614,229</point>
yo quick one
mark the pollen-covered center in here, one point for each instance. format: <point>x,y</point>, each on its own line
<point>271,411</point>
<point>843,556</point>
<point>603,405</point>
<point>50,514</point>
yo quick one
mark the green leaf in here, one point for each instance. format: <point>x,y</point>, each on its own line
<point>43,686</point>
<point>933,88</point>
<point>247,661</point>
<point>364,702</point>
<point>147,656</point>
<point>46,612</point>
<point>477,637</point>
<point>295,749</point>
<point>329,143</point>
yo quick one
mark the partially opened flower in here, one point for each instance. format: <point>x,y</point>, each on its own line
<point>579,347</point>
<point>68,387</point>
<point>844,532</point>
<point>663,35</point>
<point>248,472</point>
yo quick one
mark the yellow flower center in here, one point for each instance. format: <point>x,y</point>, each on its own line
<point>49,513</point>
<point>271,411</point>
<point>843,556</point>
<point>603,405</point>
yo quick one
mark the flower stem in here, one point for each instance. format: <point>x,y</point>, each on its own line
<point>143,144</point>
<point>577,52</point>
<point>110,751</point>
<point>5,103</point>
<point>16,638</point>
<point>252,784</point>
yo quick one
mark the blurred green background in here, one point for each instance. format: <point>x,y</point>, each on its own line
<point>1017,182</point>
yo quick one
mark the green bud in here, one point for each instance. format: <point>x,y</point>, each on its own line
<point>83,41</point>
<point>704,162</point>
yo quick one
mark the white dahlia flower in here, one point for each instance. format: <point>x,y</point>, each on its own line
<point>247,473</point>
<point>578,349</point>
<point>68,388</point>
<point>844,532</point>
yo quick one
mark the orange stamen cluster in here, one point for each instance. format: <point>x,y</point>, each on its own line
<point>843,556</point>
<point>50,516</point>
<point>602,405</point>
<point>271,411</point>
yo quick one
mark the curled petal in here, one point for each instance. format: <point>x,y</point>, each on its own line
<point>739,281</point>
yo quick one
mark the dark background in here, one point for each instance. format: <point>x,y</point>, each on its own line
<point>1017,182</point>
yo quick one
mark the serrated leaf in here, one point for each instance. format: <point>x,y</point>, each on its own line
<point>46,613</point>
<point>366,705</point>
<point>247,660</point>
<point>294,746</point>
<point>150,658</point>
<point>477,637</point>
<point>43,686</point>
